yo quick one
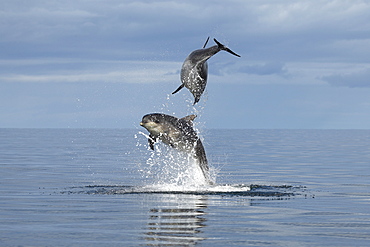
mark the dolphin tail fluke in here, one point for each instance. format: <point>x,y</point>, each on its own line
<point>222,47</point>
<point>202,159</point>
<point>178,89</point>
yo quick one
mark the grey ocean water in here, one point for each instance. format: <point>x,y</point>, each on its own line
<point>103,187</point>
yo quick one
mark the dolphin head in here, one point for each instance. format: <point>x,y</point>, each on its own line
<point>155,123</point>
<point>151,120</point>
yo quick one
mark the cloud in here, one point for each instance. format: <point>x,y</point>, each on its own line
<point>358,79</point>
<point>70,70</point>
<point>279,29</point>
<point>269,68</point>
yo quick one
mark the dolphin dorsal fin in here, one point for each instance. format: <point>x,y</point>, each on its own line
<point>205,44</point>
<point>190,117</point>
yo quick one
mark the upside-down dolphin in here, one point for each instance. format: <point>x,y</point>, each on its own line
<point>178,133</point>
<point>194,71</point>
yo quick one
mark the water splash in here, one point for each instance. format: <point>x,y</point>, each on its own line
<point>169,167</point>
<point>168,171</point>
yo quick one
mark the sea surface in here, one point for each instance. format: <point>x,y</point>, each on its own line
<point>104,187</point>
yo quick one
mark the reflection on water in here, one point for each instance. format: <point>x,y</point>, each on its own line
<point>177,216</point>
<point>178,224</point>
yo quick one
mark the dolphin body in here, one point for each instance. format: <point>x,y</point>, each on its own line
<point>178,133</point>
<point>194,71</point>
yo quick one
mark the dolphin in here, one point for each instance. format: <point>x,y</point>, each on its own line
<point>178,133</point>
<point>194,71</point>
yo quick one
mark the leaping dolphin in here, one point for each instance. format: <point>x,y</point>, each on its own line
<point>194,71</point>
<point>178,133</point>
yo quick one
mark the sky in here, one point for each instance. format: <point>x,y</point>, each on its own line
<point>105,64</point>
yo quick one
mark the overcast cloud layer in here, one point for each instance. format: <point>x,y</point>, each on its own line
<point>304,64</point>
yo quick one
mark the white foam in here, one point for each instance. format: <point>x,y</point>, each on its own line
<point>224,188</point>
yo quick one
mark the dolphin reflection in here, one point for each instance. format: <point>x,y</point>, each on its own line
<point>178,225</point>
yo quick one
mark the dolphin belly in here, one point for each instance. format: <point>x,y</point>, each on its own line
<point>194,78</point>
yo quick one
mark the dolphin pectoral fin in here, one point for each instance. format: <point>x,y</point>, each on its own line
<point>204,46</point>
<point>178,89</point>
<point>151,141</point>
<point>151,144</point>
<point>222,47</point>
